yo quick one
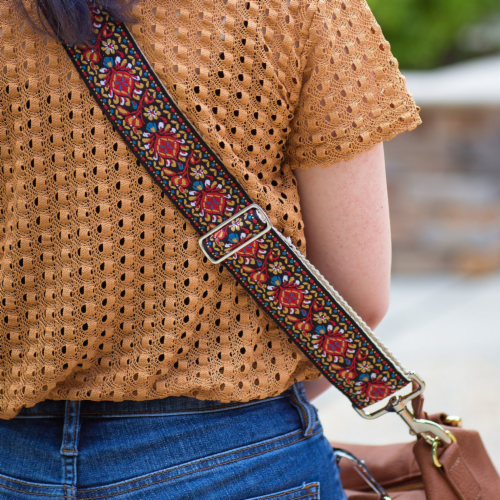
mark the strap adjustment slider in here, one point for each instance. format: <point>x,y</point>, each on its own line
<point>262,216</point>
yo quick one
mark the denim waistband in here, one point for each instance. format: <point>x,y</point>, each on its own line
<point>172,404</point>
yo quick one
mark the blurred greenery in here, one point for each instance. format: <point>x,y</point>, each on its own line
<point>425,33</point>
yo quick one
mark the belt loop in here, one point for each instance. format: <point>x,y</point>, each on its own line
<point>307,412</point>
<point>69,446</point>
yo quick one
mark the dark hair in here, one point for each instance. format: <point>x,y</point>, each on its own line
<point>69,20</point>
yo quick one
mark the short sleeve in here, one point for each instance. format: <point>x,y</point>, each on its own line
<point>353,94</point>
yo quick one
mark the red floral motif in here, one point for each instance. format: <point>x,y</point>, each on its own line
<point>122,83</point>
<point>167,147</point>
<point>212,203</point>
<point>290,297</point>
<point>289,293</point>
<point>212,200</point>
<point>336,346</point>
<point>249,251</point>
<point>119,78</point>
<point>374,387</point>
<point>334,341</point>
<point>378,391</point>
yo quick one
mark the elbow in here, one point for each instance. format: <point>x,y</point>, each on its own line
<point>375,311</point>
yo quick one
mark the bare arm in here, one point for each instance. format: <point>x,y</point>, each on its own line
<point>346,216</point>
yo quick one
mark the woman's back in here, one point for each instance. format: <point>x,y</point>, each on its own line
<point>105,294</point>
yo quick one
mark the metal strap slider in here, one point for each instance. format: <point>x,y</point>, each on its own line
<point>262,216</point>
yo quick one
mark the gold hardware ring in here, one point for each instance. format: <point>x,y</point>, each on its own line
<point>435,443</point>
<point>453,421</point>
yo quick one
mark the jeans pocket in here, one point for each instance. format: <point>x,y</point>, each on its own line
<point>307,411</point>
<point>305,492</point>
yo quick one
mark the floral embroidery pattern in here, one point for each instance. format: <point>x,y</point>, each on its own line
<point>183,165</point>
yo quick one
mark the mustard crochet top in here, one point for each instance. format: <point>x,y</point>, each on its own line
<point>103,292</point>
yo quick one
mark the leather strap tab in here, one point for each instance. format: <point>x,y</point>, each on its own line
<point>459,475</point>
<point>277,276</point>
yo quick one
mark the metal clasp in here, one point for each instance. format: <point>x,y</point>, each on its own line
<point>262,216</point>
<point>363,471</point>
<point>398,404</point>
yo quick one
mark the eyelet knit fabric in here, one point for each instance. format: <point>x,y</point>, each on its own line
<point>104,293</point>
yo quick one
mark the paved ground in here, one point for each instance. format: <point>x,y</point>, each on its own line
<point>447,329</point>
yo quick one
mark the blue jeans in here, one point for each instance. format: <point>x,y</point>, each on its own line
<point>176,448</point>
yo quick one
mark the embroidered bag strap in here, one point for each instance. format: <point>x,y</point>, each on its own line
<point>234,231</point>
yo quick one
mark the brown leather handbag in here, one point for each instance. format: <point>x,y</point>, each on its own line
<point>423,470</point>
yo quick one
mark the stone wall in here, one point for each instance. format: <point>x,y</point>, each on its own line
<point>444,191</point>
